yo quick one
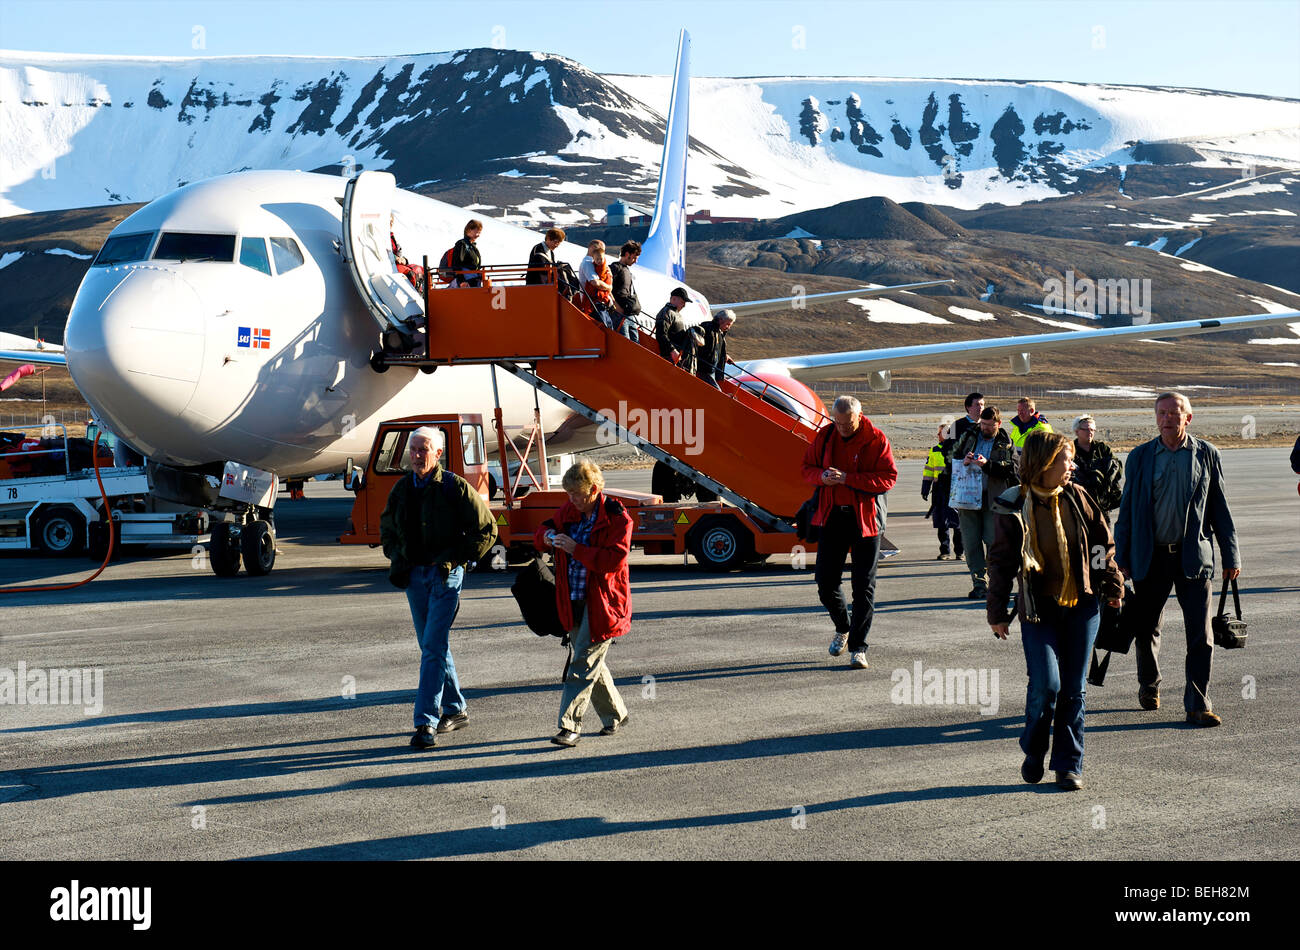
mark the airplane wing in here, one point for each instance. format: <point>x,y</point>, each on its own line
<point>880,362</point>
<point>47,357</point>
<point>745,307</point>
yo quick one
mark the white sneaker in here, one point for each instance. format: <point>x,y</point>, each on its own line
<point>859,660</point>
<point>839,643</point>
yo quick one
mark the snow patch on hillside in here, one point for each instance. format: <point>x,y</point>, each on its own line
<point>888,311</point>
<point>971,314</point>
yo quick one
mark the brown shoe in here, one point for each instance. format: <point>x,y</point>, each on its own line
<point>1149,697</point>
<point>1204,718</point>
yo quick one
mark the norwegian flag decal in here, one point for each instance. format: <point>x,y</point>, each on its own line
<point>262,339</point>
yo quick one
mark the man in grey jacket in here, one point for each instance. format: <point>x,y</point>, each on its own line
<point>1173,504</point>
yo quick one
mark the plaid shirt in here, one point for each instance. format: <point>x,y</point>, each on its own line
<point>581,533</point>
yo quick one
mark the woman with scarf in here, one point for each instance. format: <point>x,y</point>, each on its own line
<point>1053,536</point>
<point>591,536</point>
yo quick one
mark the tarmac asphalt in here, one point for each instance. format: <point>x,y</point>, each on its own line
<point>269,717</point>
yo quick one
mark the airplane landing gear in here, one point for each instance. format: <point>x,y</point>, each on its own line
<point>223,550</point>
<point>257,544</point>
<point>252,542</point>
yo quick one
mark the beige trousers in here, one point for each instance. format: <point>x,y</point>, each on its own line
<point>589,681</point>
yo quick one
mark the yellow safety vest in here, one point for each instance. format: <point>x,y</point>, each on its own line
<point>1018,437</point>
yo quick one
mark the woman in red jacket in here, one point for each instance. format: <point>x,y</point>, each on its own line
<point>591,536</point>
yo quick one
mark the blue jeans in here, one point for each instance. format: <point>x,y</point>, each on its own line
<point>1057,650</point>
<point>434,603</point>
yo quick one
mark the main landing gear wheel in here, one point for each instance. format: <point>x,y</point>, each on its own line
<point>59,531</point>
<point>721,543</point>
<point>257,545</point>
<point>223,550</point>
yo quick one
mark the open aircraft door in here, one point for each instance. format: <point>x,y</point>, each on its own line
<point>367,249</point>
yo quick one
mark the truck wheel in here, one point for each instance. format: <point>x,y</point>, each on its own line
<point>223,550</point>
<point>721,543</point>
<point>60,531</point>
<point>257,545</point>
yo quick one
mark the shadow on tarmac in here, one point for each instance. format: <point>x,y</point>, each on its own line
<point>453,764</point>
<point>512,837</point>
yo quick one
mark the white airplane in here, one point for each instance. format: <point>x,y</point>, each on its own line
<point>232,322</point>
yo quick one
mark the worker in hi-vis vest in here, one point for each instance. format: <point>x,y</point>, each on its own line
<point>1026,420</point>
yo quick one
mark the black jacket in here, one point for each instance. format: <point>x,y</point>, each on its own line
<point>673,334</point>
<point>1100,474</point>
<point>465,257</point>
<point>711,358</point>
<point>445,526</point>
<point>624,291</point>
<point>540,257</point>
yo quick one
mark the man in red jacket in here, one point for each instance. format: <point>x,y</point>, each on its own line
<point>852,462</point>
<point>592,537</point>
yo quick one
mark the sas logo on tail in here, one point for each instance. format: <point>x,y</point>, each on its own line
<point>256,339</point>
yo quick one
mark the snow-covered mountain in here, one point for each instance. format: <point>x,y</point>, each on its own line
<point>543,137</point>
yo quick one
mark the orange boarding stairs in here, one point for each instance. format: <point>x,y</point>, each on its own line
<point>730,441</point>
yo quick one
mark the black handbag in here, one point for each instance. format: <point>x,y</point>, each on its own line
<point>1229,634</point>
<point>534,590</point>
<point>804,529</point>
<point>1116,631</point>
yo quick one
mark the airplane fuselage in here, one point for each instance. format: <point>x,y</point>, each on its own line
<point>200,361</point>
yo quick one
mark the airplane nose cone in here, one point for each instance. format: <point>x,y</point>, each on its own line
<point>134,343</point>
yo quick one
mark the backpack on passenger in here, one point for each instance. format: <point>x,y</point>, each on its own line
<point>446,274</point>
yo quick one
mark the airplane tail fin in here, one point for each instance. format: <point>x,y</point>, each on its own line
<point>665,249</point>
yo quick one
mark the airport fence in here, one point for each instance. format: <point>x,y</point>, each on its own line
<point>1000,391</point>
<point>12,420</point>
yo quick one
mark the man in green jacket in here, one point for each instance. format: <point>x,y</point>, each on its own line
<point>433,526</point>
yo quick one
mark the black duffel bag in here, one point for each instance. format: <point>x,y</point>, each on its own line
<point>1229,634</point>
<point>534,590</point>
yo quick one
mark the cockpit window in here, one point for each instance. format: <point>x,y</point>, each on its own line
<point>286,253</point>
<point>252,253</point>
<point>124,248</point>
<point>184,246</point>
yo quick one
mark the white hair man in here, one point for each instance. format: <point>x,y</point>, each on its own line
<point>1174,503</point>
<point>711,355</point>
<point>851,462</point>
<point>433,527</point>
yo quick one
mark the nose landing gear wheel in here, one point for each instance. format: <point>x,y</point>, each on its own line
<point>223,550</point>
<point>257,544</point>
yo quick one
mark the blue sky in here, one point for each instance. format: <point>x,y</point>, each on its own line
<point>1245,46</point>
